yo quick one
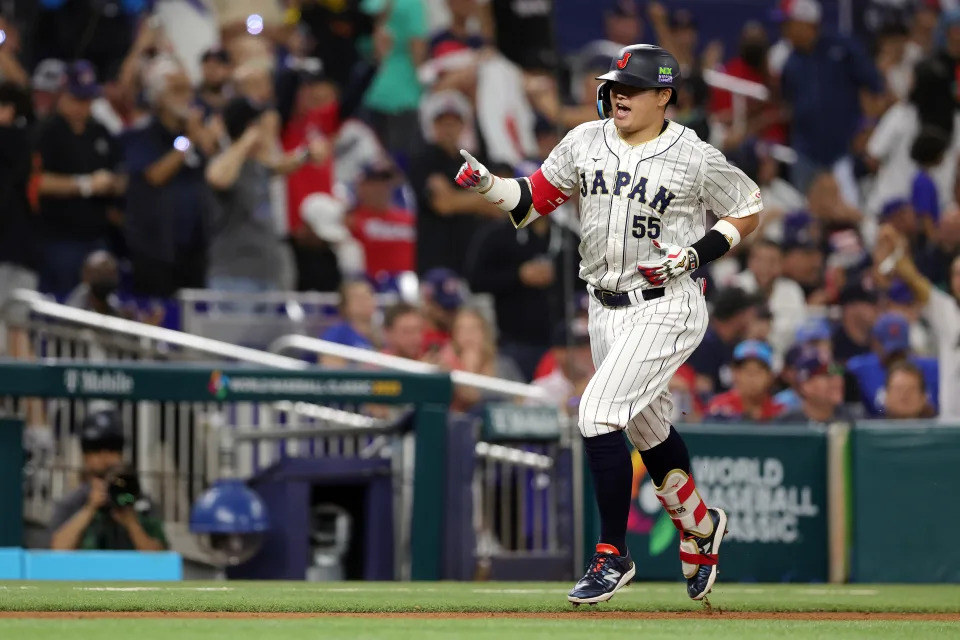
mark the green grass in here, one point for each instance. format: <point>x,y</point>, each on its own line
<point>493,629</point>
<point>454,597</point>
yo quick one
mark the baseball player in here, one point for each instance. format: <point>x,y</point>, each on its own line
<point>644,183</point>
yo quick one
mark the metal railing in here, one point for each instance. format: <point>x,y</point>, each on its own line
<point>477,381</point>
<point>741,90</point>
<point>257,319</point>
<point>172,445</point>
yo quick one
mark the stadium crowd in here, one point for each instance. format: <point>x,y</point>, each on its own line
<point>258,145</point>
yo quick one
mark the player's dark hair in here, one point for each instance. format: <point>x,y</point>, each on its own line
<point>929,146</point>
<point>396,312</point>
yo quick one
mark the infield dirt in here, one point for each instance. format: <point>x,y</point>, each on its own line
<point>606,615</point>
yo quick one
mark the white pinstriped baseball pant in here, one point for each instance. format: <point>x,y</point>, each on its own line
<point>636,350</point>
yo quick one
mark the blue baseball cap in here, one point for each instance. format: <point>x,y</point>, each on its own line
<point>892,206</point>
<point>812,363</point>
<point>892,331</point>
<point>82,80</point>
<point>444,287</point>
<point>900,293</point>
<point>813,329</point>
<point>754,350</point>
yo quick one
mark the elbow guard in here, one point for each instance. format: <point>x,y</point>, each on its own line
<point>525,199</point>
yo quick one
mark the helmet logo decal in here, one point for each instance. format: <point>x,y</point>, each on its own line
<point>622,62</point>
<point>666,75</point>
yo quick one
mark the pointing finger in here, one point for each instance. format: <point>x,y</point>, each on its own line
<point>470,159</point>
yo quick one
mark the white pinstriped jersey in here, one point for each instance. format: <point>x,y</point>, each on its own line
<point>633,194</point>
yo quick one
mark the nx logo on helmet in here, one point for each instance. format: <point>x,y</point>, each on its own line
<point>622,62</point>
<point>666,75</point>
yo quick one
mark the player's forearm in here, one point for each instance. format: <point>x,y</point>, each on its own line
<point>524,199</point>
<point>723,237</point>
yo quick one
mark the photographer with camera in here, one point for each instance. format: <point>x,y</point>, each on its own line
<point>107,511</point>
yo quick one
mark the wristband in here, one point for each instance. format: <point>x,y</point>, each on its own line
<point>85,185</point>
<point>729,232</point>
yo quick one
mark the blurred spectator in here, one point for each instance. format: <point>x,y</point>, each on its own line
<point>803,262</point>
<point>357,308</point>
<point>858,312</point>
<point>784,297</point>
<point>824,74</point>
<point>97,290</point>
<point>167,217</point>
<point>815,333</point>
<point>403,331</point>
<point>316,115</point>
<point>895,60</point>
<point>386,232</point>
<point>571,351</point>
<point>48,81</point>
<point>891,344</point>
<point>906,393</point>
<point>622,23</point>
<point>733,311</point>
<point>750,64</point>
<point>19,244</point>
<point>899,299</point>
<point>442,293</point>
<point>337,28</point>
<point>10,51</point>
<point>394,96</point>
<point>779,196</point>
<point>524,272</point>
<point>941,310</point>
<point>524,32</point>
<point>91,517</point>
<point>789,397</point>
<point>750,398</point>
<point>819,385</point>
<point>471,348</point>
<point>927,152</point>
<point>457,36</point>
<point>448,218</point>
<point>213,91</point>
<point>78,185</point>
<point>933,92</point>
<point>245,253</point>
<point>335,253</point>
<point>687,406</point>
<point>545,97</point>
<point>101,32</point>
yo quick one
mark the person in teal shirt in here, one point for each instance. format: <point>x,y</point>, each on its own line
<point>394,96</point>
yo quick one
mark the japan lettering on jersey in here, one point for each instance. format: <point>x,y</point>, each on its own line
<point>631,195</point>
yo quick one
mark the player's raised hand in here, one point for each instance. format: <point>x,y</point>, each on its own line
<point>678,260</point>
<point>472,174</point>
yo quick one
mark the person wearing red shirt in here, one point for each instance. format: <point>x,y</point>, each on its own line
<point>316,112</point>
<point>387,233</point>
<point>750,399</point>
<point>750,64</point>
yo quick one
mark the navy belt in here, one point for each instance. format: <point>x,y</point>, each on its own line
<point>615,299</point>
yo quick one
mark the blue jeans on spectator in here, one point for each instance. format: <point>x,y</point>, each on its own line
<point>62,264</point>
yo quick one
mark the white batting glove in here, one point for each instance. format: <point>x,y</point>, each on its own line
<point>472,174</point>
<point>678,261</point>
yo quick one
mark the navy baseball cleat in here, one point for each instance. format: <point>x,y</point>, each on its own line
<point>699,556</point>
<point>606,573</point>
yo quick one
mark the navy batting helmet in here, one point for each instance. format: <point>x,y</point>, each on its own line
<point>640,65</point>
